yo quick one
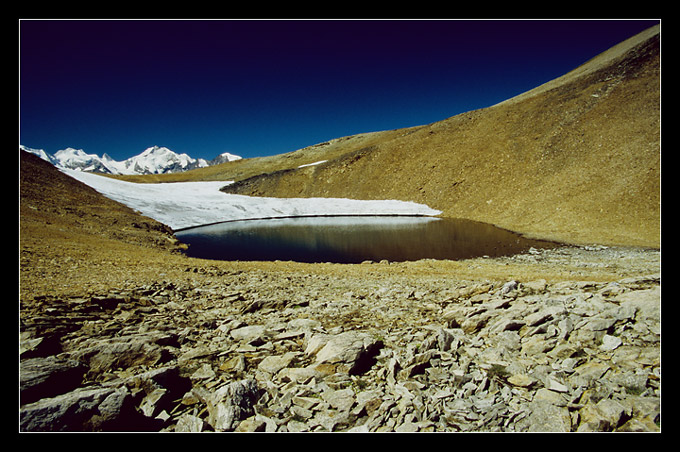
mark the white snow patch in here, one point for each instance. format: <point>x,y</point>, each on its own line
<point>313,164</point>
<point>188,204</point>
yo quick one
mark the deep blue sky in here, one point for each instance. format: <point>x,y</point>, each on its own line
<point>257,88</point>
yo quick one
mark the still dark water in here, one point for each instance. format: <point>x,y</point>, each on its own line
<point>353,239</point>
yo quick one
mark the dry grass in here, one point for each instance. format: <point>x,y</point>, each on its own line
<point>576,160</point>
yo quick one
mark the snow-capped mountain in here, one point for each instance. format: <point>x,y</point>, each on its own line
<point>154,160</point>
<point>40,153</point>
<point>223,158</point>
<point>77,159</point>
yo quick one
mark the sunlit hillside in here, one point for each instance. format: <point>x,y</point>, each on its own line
<point>577,159</point>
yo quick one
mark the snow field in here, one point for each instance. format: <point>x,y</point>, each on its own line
<point>183,205</point>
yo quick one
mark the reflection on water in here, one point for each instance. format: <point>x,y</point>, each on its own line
<point>353,239</point>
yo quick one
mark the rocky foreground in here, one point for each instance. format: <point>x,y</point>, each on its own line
<point>229,350</point>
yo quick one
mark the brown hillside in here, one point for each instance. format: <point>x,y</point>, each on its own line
<point>68,232</point>
<point>576,159</point>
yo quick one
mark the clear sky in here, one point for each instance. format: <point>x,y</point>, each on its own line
<point>265,87</point>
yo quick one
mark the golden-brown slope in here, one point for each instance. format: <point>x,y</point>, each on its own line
<point>70,235</point>
<point>577,159</point>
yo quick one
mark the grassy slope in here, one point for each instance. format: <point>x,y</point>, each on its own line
<point>576,159</point>
<point>70,236</point>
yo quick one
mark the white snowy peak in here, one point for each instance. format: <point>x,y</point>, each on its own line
<point>154,160</point>
<point>40,153</point>
<point>158,160</point>
<point>224,157</point>
<point>78,159</point>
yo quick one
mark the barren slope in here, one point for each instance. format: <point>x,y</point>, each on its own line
<point>576,159</point>
<point>72,237</point>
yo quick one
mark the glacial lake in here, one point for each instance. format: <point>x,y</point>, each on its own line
<point>353,239</point>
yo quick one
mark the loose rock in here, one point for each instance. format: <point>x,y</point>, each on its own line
<point>253,352</point>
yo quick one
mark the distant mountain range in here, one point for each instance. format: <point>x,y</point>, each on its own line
<point>154,160</point>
